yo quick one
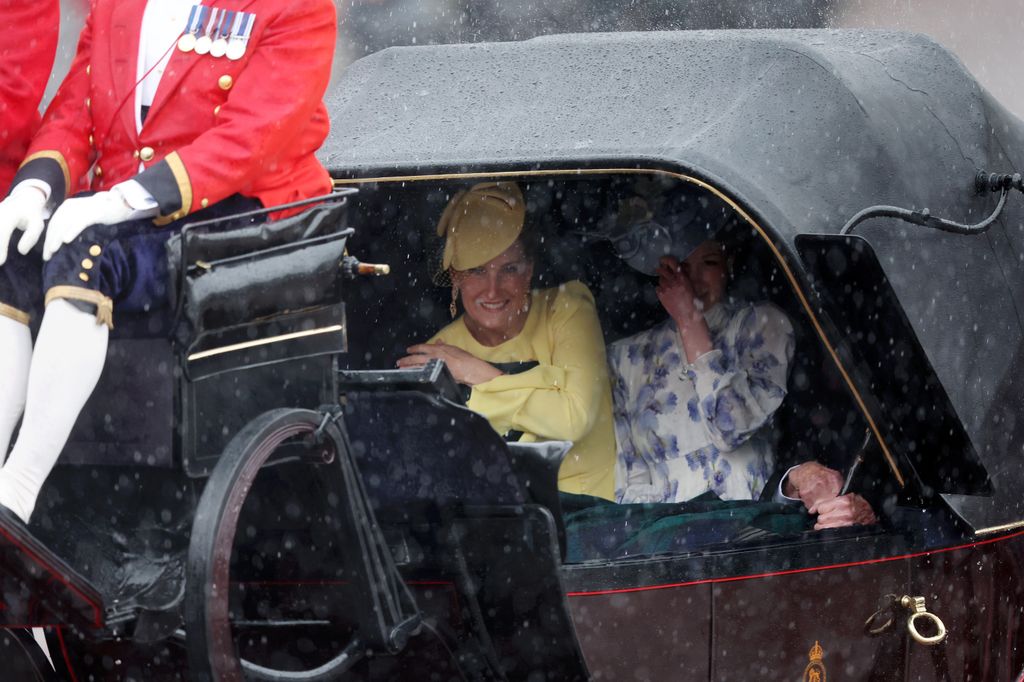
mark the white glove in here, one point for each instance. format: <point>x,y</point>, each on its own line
<point>24,209</point>
<point>74,215</point>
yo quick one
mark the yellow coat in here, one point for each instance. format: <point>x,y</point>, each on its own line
<point>566,397</point>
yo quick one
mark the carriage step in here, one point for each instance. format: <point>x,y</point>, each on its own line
<point>37,587</point>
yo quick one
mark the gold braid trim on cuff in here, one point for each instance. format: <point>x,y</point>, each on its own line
<point>14,314</point>
<point>61,161</point>
<point>184,182</point>
<point>180,174</point>
<point>104,305</point>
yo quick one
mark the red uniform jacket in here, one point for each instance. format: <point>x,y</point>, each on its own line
<point>216,126</point>
<point>26,58</point>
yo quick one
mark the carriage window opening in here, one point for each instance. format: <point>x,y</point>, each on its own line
<point>816,420</point>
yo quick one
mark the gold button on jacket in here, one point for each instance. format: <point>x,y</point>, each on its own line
<point>146,153</point>
<point>225,82</point>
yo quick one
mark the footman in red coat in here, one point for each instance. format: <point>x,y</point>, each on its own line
<point>171,109</point>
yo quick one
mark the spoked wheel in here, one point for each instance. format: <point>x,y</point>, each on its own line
<point>267,583</point>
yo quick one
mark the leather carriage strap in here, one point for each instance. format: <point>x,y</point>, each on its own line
<point>516,367</point>
<point>891,659</point>
<point>941,663</point>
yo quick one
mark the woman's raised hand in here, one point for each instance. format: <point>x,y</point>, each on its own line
<point>675,291</point>
<point>465,367</point>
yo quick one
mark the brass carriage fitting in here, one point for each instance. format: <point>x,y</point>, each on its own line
<point>918,610</point>
<point>375,269</point>
<point>352,267</point>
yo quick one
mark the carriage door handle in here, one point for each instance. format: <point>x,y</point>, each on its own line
<point>885,617</point>
<point>918,610</point>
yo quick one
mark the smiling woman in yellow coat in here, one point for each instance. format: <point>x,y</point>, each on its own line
<point>534,359</point>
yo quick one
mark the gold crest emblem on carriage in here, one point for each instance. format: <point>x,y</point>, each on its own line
<point>815,670</point>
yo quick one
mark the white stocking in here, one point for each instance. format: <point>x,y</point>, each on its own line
<point>16,342</point>
<point>67,363</point>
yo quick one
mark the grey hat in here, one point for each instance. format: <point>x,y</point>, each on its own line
<point>645,228</point>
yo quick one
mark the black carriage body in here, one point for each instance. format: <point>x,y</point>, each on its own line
<point>798,131</point>
<point>915,332</point>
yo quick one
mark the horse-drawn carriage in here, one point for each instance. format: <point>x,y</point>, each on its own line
<point>254,492</point>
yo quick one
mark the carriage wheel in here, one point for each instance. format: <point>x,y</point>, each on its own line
<point>265,593</point>
<point>22,657</point>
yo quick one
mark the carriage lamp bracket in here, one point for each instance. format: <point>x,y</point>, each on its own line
<point>885,617</point>
<point>984,182</point>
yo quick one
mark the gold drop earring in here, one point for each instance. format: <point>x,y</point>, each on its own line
<point>455,296</point>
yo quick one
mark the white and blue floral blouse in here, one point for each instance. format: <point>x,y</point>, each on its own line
<point>684,430</point>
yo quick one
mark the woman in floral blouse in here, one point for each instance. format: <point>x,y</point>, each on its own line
<point>694,395</point>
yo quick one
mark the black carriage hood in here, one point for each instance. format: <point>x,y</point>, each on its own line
<point>801,128</point>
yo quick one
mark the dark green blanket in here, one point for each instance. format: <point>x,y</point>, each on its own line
<point>598,529</point>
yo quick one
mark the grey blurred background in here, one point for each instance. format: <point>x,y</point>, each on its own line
<point>985,34</point>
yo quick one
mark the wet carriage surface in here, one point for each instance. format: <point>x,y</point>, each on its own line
<point>381,517</point>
